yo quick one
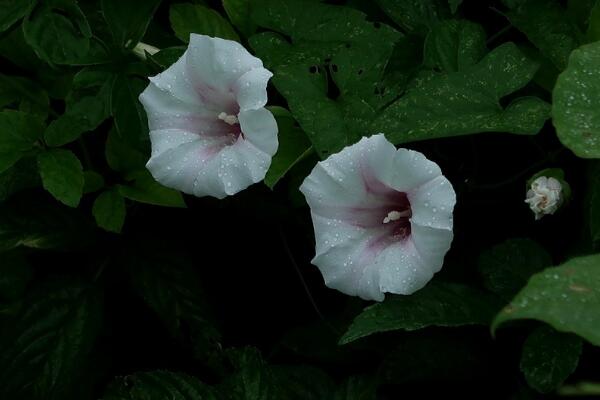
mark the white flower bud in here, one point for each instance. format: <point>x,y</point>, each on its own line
<point>545,196</point>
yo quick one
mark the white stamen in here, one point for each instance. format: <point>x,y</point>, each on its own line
<point>228,118</point>
<point>395,216</point>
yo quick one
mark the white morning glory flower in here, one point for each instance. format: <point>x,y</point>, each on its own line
<point>545,196</point>
<point>382,218</point>
<point>210,132</point>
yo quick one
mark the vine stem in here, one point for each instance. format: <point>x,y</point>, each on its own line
<point>518,175</point>
<point>303,281</point>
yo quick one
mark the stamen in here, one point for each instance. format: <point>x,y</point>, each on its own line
<point>395,216</point>
<point>228,118</point>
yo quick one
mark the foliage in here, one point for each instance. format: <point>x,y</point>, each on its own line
<point>115,287</point>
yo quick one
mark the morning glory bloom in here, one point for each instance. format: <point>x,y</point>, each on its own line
<point>210,132</point>
<point>382,218</point>
<point>544,196</point>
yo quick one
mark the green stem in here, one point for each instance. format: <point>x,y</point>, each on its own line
<point>519,175</point>
<point>87,160</point>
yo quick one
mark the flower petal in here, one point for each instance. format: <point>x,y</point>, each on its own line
<point>339,181</point>
<point>251,89</point>
<point>402,269</point>
<point>260,128</point>
<point>235,168</point>
<point>215,64</point>
<point>344,260</point>
<point>178,167</point>
<point>351,263</point>
<point>432,203</point>
<point>167,139</point>
<point>166,111</point>
<point>431,244</point>
<point>175,82</point>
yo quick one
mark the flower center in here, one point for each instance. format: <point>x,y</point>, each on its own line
<point>228,118</point>
<point>397,219</point>
<point>395,216</point>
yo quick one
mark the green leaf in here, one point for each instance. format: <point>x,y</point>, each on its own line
<point>121,156</point>
<point>454,5</point>
<point>145,189</point>
<point>128,20</point>
<point>92,181</point>
<point>58,32</point>
<point>544,23</point>
<point>328,42</point>
<point>45,348</point>
<point>13,10</point>
<point>171,287</point>
<point>548,358</point>
<point>454,45</point>
<point>30,96</point>
<point>28,221</point>
<point>159,385</point>
<point>579,11</point>
<point>301,382</point>
<point>440,355</point>
<point>15,49</point>
<point>253,378</point>
<point>167,57</point>
<point>239,15</point>
<point>83,116</point>
<point>437,304</point>
<point>595,208</point>
<point>467,101</point>
<point>593,31</point>
<point>62,175</point>
<point>129,116</point>
<point>357,387</point>
<point>293,146</point>
<point>574,102</point>
<point>506,267</point>
<point>415,16</point>
<point>109,211</point>
<point>194,18</point>
<point>23,175</point>
<point>84,85</point>
<point>18,133</point>
<point>566,297</point>
<point>15,274</point>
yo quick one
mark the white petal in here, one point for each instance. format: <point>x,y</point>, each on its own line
<point>179,167</point>
<point>431,244</point>
<point>165,111</point>
<point>175,82</point>
<point>251,89</point>
<point>167,139</point>
<point>402,271</point>
<point>412,169</point>
<point>218,63</point>
<point>432,203</point>
<point>234,169</point>
<point>339,180</point>
<point>260,129</point>
<point>402,169</point>
<point>343,259</point>
<point>351,262</point>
